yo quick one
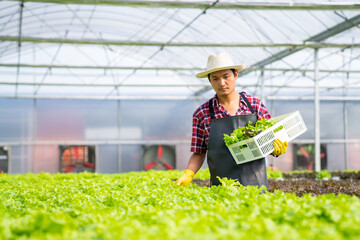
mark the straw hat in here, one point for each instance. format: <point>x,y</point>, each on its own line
<point>219,62</point>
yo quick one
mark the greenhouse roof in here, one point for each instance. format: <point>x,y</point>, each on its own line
<point>117,49</point>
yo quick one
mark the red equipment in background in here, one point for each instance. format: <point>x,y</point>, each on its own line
<point>76,159</point>
<point>158,160</point>
<point>4,159</point>
<point>304,156</point>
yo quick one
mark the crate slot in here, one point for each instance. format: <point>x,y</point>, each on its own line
<point>236,150</point>
<point>256,153</point>
<point>295,131</point>
<point>267,147</point>
<point>268,136</point>
<point>240,157</point>
<point>252,145</point>
<point>291,122</point>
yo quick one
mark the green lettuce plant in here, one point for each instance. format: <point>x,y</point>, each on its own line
<point>147,205</point>
<point>248,131</point>
<point>323,174</point>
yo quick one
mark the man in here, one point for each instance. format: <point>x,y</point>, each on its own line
<point>223,113</point>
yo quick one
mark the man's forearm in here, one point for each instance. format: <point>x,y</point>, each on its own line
<point>196,161</point>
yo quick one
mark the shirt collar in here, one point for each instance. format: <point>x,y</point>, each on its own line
<point>216,101</point>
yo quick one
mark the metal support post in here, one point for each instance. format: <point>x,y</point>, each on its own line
<point>19,46</point>
<point>34,147</point>
<point>317,111</point>
<point>262,88</point>
<point>119,136</point>
<point>346,131</point>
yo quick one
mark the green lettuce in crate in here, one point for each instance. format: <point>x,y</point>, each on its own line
<point>249,131</point>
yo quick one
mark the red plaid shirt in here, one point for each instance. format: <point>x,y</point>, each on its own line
<point>202,119</point>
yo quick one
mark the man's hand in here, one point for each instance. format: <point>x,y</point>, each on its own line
<point>185,179</point>
<point>279,147</point>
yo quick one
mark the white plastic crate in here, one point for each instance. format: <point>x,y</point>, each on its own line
<point>287,127</point>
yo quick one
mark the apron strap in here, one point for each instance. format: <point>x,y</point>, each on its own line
<point>211,109</point>
<point>247,103</point>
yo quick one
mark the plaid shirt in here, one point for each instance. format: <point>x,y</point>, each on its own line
<point>202,119</point>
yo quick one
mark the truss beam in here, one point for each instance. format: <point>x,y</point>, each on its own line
<point>220,5</point>
<point>300,45</point>
<point>152,142</point>
<point>341,27</point>
<point>175,98</point>
<point>169,85</point>
<point>100,67</point>
<point>52,66</point>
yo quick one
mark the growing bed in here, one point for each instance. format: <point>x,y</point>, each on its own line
<point>306,182</point>
<point>146,205</point>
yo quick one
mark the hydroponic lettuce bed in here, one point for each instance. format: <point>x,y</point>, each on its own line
<point>146,205</point>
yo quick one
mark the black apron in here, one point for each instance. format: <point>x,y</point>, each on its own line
<point>219,158</point>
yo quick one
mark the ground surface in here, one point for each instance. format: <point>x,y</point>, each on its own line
<point>304,186</point>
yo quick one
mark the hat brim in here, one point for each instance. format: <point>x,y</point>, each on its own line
<point>239,68</point>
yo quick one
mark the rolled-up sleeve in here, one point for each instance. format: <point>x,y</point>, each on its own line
<point>262,111</point>
<point>198,140</point>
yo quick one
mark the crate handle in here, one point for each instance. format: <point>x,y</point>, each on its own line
<point>243,146</point>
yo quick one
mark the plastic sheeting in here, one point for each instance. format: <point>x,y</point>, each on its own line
<point>97,121</point>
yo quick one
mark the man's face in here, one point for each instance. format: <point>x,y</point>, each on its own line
<point>223,81</point>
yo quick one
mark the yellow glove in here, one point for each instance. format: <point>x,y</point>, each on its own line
<point>279,147</point>
<point>185,179</point>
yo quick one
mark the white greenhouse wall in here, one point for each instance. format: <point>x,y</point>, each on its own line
<point>41,121</point>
